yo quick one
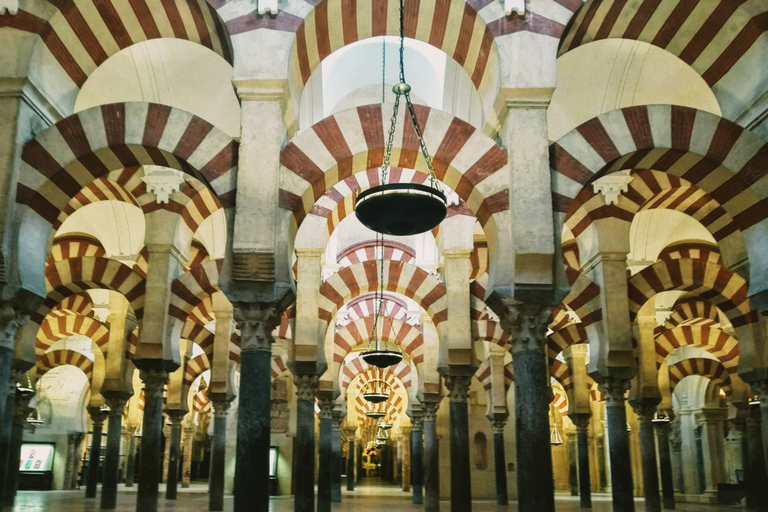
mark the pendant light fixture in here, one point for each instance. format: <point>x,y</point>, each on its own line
<point>376,390</point>
<point>402,209</point>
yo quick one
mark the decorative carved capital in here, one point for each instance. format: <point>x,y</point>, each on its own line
<point>13,380</point>
<point>417,421</point>
<point>220,407</point>
<point>338,418</point>
<point>458,387</point>
<point>116,405</point>
<point>176,416</point>
<point>326,409</point>
<point>761,388</point>
<point>430,410</point>
<point>306,386</point>
<point>256,321</point>
<point>581,421</point>
<point>97,415</point>
<point>645,411</point>
<point>526,324</point>
<point>614,390</point>
<point>163,182</point>
<point>10,320</point>
<point>497,426</point>
<point>154,382</point>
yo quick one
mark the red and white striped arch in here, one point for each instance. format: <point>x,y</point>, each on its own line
<point>75,246</point>
<point>560,400</point>
<point>584,301</point>
<point>727,161</point>
<point>77,304</point>
<point>562,374</point>
<point>77,36</point>
<point>196,367</point>
<point>368,250</point>
<point>715,341</point>
<point>483,375</point>
<point>709,368</point>
<point>55,358</point>
<point>692,311</point>
<point>55,328</point>
<point>723,41</point>
<point>358,332</point>
<point>695,250</point>
<point>364,305</point>
<point>350,141</point>
<point>354,366</point>
<point>201,404</point>
<point>284,331</point>
<point>280,366</point>
<point>399,277</point>
<point>192,288</point>
<point>486,329</point>
<point>564,337</point>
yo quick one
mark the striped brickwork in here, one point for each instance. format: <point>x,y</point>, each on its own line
<point>50,360</point>
<point>201,404</point>
<point>355,365</point>
<point>562,374</point>
<point>483,376</point>
<point>708,368</point>
<point>192,288</point>
<point>397,332</point>
<point>195,367</point>
<point>57,327</point>
<point>368,250</point>
<point>560,400</point>
<point>692,312</point>
<point>365,305</point>
<point>279,366</point>
<point>692,250</point>
<point>564,337</point>
<point>715,341</point>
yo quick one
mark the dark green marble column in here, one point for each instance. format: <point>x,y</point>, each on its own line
<point>174,454</point>
<point>618,445</point>
<point>304,474</point>
<point>461,484</point>
<point>97,417</point>
<point>500,462</point>
<point>665,464</point>
<point>152,453</point>
<point>431,458</point>
<point>112,457</point>
<point>417,457</point>
<point>582,442</point>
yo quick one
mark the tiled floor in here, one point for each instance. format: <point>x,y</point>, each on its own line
<point>367,497</point>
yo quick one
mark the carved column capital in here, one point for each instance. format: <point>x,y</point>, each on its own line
<point>176,416</point>
<point>306,386</point>
<point>417,420</point>
<point>581,421</point>
<point>430,410</point>
<point>154,382</point>
<point>458,387</point>
<point>644,411</point>
<point>326,408</point>
<point>761,388</point>
<point>13,380</point>
<point>97,415</point>
<point>614,390</point>
<point>10,320</point>
<point>526,324</point>
<point>497,426</point>
<point>256,321</point>
<point>116,405</point>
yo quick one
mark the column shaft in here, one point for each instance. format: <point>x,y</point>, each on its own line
<point>461,486</point>
<point>618,441</point>
<point>253,430</point>
<point>152,452</point>
<point>305,443</point>
<point>648,456</point>
<point>186,470</point>
<point>500,465</point>
<point>417,462</point>
<point>535,485</point>
<point>336,462</point>
<point>665,465</point>
<point>174,452</point>
<point>130,463</point>
<point>325,463</point>
<point>432,459</point>
<point>7,399</point>
<point>219,456</point>
<point>758,477</point>
<point>585,488</point>
<point>112,458</point>
<point>350,462</point>
<point>93,464</point>
<point>14,453</point>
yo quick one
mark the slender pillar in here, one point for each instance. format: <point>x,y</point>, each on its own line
<point>665,464</point>
<point>20,412</point>
<point>186,471</point>
<point>618,445</point>
<point>152,441</point>
<point>7,402</point>
<point>255,321</point>
<point>645,412</point>
<point>432,458</point>
<point>336,458</point>
<point>304,479</point>
<point>582,440</point>
<point>219,455</point>
<point>351,458</point>
<point>500,462</point>
<point>130,462</point>
<point>758,477</point>
<point>112,458</point>
<point>461,486</point>
<point>70,466</point>
<point>762,393</point>
<point>166,454</point>
<point>174,452</point>
<point>405,477</point>
<point>325,462</point>
<point>573,461</point>
<point>417,456</point>
<point>97,417</point>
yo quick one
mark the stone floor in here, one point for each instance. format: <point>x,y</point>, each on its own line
<point>367,497</point>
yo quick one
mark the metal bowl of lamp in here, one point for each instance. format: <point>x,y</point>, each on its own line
<point>401,209</point>
<point>382,358</point>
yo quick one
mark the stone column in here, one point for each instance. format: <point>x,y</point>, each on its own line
<point>417,456</point>
<point>186,471</point>
<point>336,457</point>
<point>97,417</point>
<point>174,452</point>
<point>573,460</point>
<point>20,412</point>
<point>219,455</point>
<point>618,445</point>
<point>582,439</point>
<point>350,431</point>
<point>130,462</point>
<point>325,462</point>
<point>69,469</point>
<point>713,422</point>
<point>758,476</point>
<point>461,487</point>
<point>7,402</point>
<point>112,458</point>
<point>166,453</point>
<point>500,462</point>
<point>665,464</point>
<point>762,394</point>
<point>645,413</point>
<point>405,476</point>
<point>152,441</point>
<point>432,458</point>
<point>304,473</point>
<point>256,322</point>
<point>527,326</point>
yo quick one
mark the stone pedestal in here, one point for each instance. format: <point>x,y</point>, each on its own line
<point>304,473</point>
<point>112,458</point>
<point>97,417</point>
<point>645,413</point>
<point>665,465</point>
<point>500,462</point>
<point>618,445</point>
<point>582,441</point>
<point>417,457</point>
<point>336,458</point>
<point>152,441</point>
<point>174,453</point>
<point>461,486</point>
<point>431,458</point>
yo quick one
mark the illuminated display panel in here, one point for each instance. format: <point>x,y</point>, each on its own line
<point>36,457</point>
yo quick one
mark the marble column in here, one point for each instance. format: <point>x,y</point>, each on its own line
<point>405,476</point>
<point>166,453</point>
<point>174,452</point>
<point>325,456</point>
<point>582,441</point>
<point>417,456</point>
<point>431,458</point>
<point>461,486</point>
<point>336,458</point>
<point>112,457</point>
<point>255,321</point>
<point>350,457</point>
<point>7,402</point>
<point>713,444</point>
<point>645,413</point>
<point>500,462</point>
<point>762,394</point>
<point>97,417</point>
<point>618,445</point>
<point>70,465</point>
<point>20,412</point>
<point>665,464</point>
<point>152,440</point>
<point>219,455</point>
<point>186,470</point>
<point>304,473</point>
<point>758,476</point>
<point>130,461</point>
